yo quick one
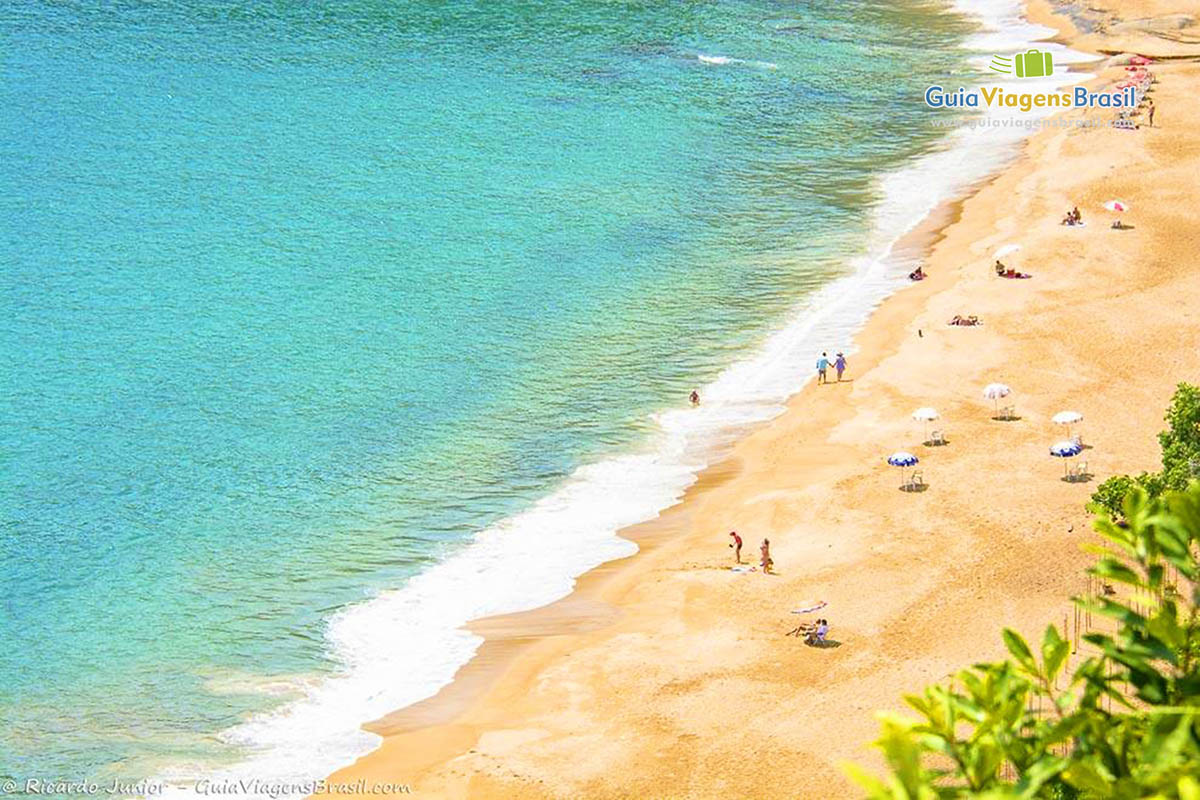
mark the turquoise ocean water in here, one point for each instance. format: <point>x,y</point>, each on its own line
<point>299,298</point>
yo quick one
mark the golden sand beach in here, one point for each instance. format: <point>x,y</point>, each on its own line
<point>668,675</point>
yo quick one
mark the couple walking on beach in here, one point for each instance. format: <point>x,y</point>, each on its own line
<point>839,364</point>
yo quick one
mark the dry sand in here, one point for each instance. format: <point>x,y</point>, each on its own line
<point>667,675</point>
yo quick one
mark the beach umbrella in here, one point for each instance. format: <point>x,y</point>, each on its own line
<point>926,415</point>
<point>1005,250</point>
<point>1067,418</point>
<point>994,391</point>
<point>1064,450</point>
<point>810,606</point>
<point>1117,205</point>
<point>903,460</point>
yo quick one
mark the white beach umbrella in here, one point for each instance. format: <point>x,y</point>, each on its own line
<point>1064,450</point>
<point>1005,250</point>
<point>1067,418</point>
<point>1117,205</point>
<point>994,391</point>
<point>926,415</point>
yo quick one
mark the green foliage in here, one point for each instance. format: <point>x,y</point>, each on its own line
<point>1181,440</point>
<point>1110,495</point>
<point>1180,444</point>
<point>1124,723</point>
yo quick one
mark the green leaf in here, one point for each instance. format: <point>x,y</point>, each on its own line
<point>1089,776</point>
<point>876,789</point>
<point>1020,650</point>
<point>1055,650</point>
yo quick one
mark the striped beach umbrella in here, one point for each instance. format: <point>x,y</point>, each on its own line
<point>1117,205</point>
<point>903,460</point>
<point>1064,450</point>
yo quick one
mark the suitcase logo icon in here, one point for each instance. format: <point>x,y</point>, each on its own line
<point>1031,64</point>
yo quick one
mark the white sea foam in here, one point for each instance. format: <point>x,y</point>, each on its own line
<point>404,645</point>
<point>721,61</point>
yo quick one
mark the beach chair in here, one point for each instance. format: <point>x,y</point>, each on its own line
<point>1008,412</point>
<point>937,438</point>
<point>915,482</point>
<point>1081,471</point>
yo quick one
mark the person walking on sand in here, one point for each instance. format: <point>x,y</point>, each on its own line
<point>766,562</point>
<point>822,366</point>
<point>1151,110</point>
<point>736,544</point>
<point>695,397</point>
<point>840,366</point>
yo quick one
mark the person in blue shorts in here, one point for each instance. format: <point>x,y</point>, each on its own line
<point>822,366</point>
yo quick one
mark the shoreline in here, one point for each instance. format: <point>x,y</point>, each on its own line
<point>506,635</point>
<point>423,741</point>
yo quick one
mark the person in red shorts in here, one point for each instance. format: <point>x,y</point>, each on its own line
<point>736,544</point>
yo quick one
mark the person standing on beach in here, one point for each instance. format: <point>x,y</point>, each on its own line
<point>840,366</point>
<point>1151,110</point>
<point>695,397</point>
<point>822,366</point>
<point>765,549</point>
<point>736,544</point>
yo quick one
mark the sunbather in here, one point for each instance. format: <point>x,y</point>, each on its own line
<point>817,635</point>
<point>917,274</point>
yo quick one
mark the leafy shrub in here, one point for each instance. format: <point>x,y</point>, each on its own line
<point>1180,444</point>
<point>1124,724</point>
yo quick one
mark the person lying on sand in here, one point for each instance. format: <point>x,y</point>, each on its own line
<point>965,321</point>
<point>1013,274</point>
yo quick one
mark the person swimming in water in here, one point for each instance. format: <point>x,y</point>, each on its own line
<point>694,397</point>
